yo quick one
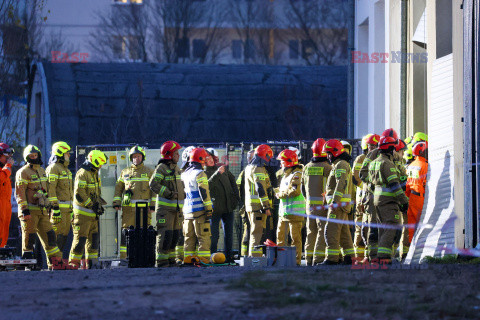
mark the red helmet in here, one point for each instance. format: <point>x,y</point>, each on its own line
<point>264,152</point>
<point>390,133</point>
<point>420,149</point>
<point>373,139</point>
<point>401,145</point>
<point>5,149</point>
<point>198,155</point>
<point>333,146</point>
<point>168,148</point>
<point>317,148</point>
<point>288,157</point>
<point>386,142</point>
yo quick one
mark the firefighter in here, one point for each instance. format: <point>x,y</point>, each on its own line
<point>402,237</point>
<point>60,191</point>
<point>87,206</point>
<point>32,198</point>
<point>314,180</point>
<point>292,201</point>
<point>6,163</point>
<point>358,243</point>
<point>372,233</point>
<point>242,212</point>
<point>417,180</point>
<point>257,203</point>
<point>132,187</point>
<point>198,209</point>
<point>389,198</point>
<point>166,183</point>
<point>339,189</point>
<point>181,240</point>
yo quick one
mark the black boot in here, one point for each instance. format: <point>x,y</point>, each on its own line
<point>327,263</point>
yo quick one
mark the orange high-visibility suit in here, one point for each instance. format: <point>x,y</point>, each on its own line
<point>5,203</point>
<point>417,179</point>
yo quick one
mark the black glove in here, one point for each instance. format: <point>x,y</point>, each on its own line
<point>97,208</point>
<point>152,208</point>
<point>404,207</point>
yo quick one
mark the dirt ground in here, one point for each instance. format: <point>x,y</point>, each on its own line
<point>434,292</point>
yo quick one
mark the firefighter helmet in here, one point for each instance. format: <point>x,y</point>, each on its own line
<point>408,140</point>
<point>60,148</point>
<point>299,156</point>
<point>364,144</point>
<point>198,155</point>
<point>186,153</point>
<point>373,140</point>
<point>31,149</point>
<point>390,133</point>
<point>334,146</point>
<point>137,150</point>
<point>288,158</point>
<point>218,258</point>
<point>386,142</point>
<point>264,152</point>
<point>168,148</point>
<point>97,158</point>
<point>419,136</point>
<point>347,146</point>
<point>408,154</point>
<point>317,148</point>
<point>400,145</point>
<point>420,149</point>
<point>5,149</point>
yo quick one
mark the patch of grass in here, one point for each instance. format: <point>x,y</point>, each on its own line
<point>452,259</point>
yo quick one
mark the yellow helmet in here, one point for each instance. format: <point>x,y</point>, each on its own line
<point>30,149</point>
<point>408,154</point>
<point>364,141</point>
<point>408,140</point>
<point>137,149</point>
<point>97,158</point>
<point>217,257</point>
<point>419,136</point>
<point>347,146</point>
<point>60,148</point>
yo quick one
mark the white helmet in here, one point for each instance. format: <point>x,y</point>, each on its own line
<point>296,151</point>
<point>186,153</point>
<point>212,151</point>
<point>347,146</point>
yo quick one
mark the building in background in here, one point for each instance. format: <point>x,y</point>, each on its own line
<point>410,76</point>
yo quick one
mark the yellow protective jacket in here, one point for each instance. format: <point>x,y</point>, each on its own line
<point>167,183</point>
<point>339,184</point>
<point>60,185</point>
<point>257,183</point>
<point>136,179</point>
<point>31,188</point>
<point>315,177</point>
<point>87,191</point>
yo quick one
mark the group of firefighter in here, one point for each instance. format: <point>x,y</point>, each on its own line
<point>383,195</point>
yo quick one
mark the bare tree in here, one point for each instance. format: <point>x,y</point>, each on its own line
<point>122,33</point>
<point>322,27</point>
<point>255,24</point>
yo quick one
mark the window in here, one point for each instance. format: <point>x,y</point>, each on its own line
<point>134,48</point>
<point>183,48</point>
<point>293,49</point>
<point>249,49</point>
<point>236,49</point>
<point>307,49</point>
<point>119,47</point>
<point>199,48</point>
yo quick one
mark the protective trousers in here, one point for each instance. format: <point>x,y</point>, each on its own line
<point>168,232</point>
<point>5,217</point>
<point>39,224</point>
<point>338,235</point>
<point>128,219</point>
<point>320,244</point>
<point>415,207</point>
<point>312,231</point>
<point>85,238</point>
<point>358,243</point>
<point>258,222</point>
<point>62,228</point>
<point>371,239</point>
<point>295,226</point>
<point>388,214</point>
<point>197,229</point>
<point>404,240</point>
<point>181,240</point>
<point>246,234</point>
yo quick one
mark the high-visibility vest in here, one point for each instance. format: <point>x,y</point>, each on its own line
<point>290,205</point>
<point>193,201</point>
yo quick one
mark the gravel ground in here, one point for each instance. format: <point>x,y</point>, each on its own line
<point>437,292</point>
